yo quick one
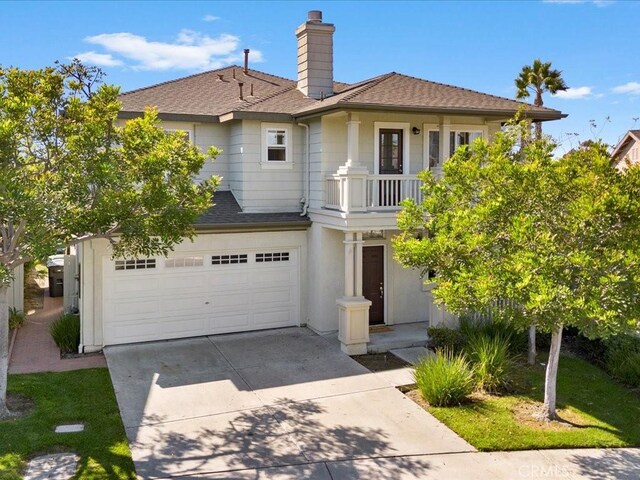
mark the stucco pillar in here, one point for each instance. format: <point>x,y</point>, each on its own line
<point>353,309</point>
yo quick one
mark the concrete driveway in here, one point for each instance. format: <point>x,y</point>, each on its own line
<point>274,404</point>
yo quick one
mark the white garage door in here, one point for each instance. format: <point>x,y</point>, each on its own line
<point>198,293</point>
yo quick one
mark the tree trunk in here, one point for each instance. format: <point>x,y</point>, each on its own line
<point>4,349</point>
<point>538,130</point>
<point>531,356</point>
<point>551,377</point>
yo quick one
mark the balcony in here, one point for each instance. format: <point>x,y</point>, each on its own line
<point>364,193</point>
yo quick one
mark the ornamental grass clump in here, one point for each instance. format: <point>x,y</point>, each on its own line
<point>66,333</point>
<point>444,379</point>
<point>490,361</point>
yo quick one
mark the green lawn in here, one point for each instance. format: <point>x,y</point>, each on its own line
<point>71,397</point>
<point>603,413</point>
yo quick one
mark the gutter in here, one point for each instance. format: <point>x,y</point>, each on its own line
<point>253,227</point>
<point>497,113</point>
<point>307,180</point>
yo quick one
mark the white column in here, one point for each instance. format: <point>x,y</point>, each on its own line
<point>445,141</point>
<point>353,141</point>
<point>353,309</point>
<point>358,266</point>
<point>349,265</point>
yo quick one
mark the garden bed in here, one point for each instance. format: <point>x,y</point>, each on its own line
<point>380,362</point>
<point>594,410</point>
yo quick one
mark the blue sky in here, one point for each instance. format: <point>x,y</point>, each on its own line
<point>477,45</point>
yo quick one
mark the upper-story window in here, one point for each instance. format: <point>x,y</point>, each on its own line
<point>436,151</point>
<point>276,146</point>
<point>187,133</point>
<point>462,137</point>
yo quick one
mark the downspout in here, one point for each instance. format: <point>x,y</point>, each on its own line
<point>307,182</point>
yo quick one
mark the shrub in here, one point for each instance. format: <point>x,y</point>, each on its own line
<point>623,359</point>
<point>444,378</point>
<point>517,339</point>
<point>441,338</point>
<point>16,318</point>
<point>592,350</point>
<point>66,333</point>
<point>490,360</point>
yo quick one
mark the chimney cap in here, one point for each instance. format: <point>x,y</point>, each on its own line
<point>314,16</point>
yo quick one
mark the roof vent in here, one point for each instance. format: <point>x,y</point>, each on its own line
<point>246,61</point>
<point>240,84</point>
<point>220,77</point>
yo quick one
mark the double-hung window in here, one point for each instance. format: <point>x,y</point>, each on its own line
<point>276,146</point>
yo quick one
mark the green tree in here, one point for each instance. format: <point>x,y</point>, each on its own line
<point>69,172</point>
<point>557,241</point>
<point>537,79</point>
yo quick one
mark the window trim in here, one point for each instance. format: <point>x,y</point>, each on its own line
<point>188,131</point>
<point>287,164</point>
<point>426,129</point>
<point>445,145</point>
<point>406,142</point>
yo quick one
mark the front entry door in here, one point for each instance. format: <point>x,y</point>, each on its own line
<point>373,282</point>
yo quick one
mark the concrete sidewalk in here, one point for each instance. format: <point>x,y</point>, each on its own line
<point>574,464</point>
<point>34,349</point>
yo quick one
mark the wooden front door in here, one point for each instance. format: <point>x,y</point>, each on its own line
<point>373,282</point>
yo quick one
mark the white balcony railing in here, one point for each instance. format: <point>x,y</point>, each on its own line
<point>381,192</point>
<point>385,192</point>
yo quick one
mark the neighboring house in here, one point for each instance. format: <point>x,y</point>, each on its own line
<point>627,150</point>
<point>312,175</point>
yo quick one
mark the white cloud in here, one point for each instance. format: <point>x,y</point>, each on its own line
<point>632,88</point>
<point>210,18</point>
<point>99,59</point>
<point>190,51</point>
<point>575,93</point>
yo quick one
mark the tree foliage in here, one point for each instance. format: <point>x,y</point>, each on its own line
<point>529,237</point>
<point>70,171</point>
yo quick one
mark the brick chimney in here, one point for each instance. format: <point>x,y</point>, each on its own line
<point>315,56</point>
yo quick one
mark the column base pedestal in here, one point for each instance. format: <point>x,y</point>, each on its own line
<point>353,324</point>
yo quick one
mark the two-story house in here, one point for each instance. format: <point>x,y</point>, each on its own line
<point>312,171</point>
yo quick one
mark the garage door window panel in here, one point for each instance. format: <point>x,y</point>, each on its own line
<point>234,259</point>
<point>135,264</point>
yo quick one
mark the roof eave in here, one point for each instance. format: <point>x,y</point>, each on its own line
<point>498,113</point>
<point>263,116</point>
<point>171,117</point>
<point>252,227</point>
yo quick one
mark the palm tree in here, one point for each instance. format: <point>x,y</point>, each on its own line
<point>539,78</point>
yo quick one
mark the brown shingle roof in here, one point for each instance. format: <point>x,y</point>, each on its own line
<point>205,94</point>
<point>395,90</point>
